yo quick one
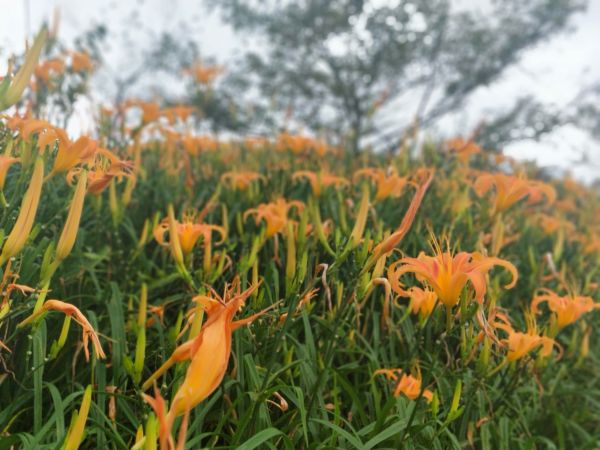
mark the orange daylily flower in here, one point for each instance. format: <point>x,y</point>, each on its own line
<point>70,154</point>
<point>241,180</point>
<point>49,68</point>
<point>189,230</point>
<point>104,167</point>
<point>511,189</point>
<point>81,62</point>
<point>77,315</point>
<point>519,343</point>
<point>422,301</point>
<point>150,110</point>
<point>567,309</point>
<point>591,243</point>
<point>177,112</point>
<point>408,385</point>
<point>299,144</point>
<point>203,73</point>
<point>551,224</point>
<point>194,145</point>
<point>320,180</point>
<point>388,182</point>
<point>448,274</point>
<point>208,352</point>
<point>47,134</point>
<point>275,214</point>
<point>462,148</point>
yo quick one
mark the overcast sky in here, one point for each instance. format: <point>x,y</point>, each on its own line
<point>554,72</point>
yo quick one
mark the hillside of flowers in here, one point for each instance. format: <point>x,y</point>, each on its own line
<point>164,289</point>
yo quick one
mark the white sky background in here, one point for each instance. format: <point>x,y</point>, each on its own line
<point>554,71</point>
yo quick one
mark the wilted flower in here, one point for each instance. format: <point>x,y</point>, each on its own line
<point>77,315</point>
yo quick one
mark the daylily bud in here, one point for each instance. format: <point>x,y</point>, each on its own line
<point>141,319</point>
<point>20,231</point>
<point>140,353</point>
<point>290,263</point>
<point>19,83</point>
<point>75,433</point>
<point>62,338</point>
<point>151,428</point>
<point>361,218</point>
<point>69,233</point>
<point>144,234</point>
<point>174,238</point>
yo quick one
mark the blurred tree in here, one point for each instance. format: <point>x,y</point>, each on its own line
<point>333,64</point>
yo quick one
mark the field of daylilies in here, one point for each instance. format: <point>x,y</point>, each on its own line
<point>165,289</point>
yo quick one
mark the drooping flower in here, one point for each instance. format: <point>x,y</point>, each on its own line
<point>71,310</point>
<point>511,189</point>
<point>408,385</point>
<point>208,352</point>
<point>448,274</point>
<point>275,214</point>
<point>319,180</point>
<point>567,309</point>
<point>388,182</point>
